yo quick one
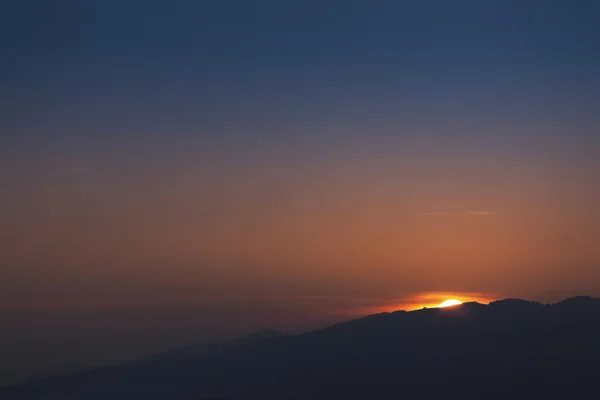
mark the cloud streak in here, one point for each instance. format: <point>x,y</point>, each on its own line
<point>480,213</point>
<point>438,213</point>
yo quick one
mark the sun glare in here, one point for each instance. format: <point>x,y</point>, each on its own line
<point>449,303</point>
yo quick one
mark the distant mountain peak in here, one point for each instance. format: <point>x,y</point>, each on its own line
<point>515,302</point>
<point>261,334</point>
<point>199,350</point>
<point>471,304</point>
<point>578,300</point>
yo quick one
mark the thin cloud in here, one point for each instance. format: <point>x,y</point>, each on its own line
<point>438,213</point>
<point>481,213</point>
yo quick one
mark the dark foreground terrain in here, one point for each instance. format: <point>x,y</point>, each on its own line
<point>509,349</point>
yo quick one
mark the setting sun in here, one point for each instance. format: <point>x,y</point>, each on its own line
<point>449,303</point>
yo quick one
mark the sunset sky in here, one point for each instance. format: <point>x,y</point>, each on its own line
<point>286,164</point>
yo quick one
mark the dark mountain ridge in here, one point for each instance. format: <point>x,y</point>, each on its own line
<point>198,350</point>
<point>507,349</point>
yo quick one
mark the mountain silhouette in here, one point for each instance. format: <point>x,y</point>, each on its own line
<point>189,352</point>
<point>59,370</point>
<point>509,349</point>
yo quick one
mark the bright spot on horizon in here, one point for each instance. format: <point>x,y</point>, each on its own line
<point>450,303</point>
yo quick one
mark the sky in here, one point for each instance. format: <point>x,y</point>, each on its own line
<point>192,170</point>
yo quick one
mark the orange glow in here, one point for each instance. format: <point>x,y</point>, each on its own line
<point>450,303</point>
<point>418,301</point>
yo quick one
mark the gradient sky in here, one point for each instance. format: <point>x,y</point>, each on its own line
<point>286,163</point>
